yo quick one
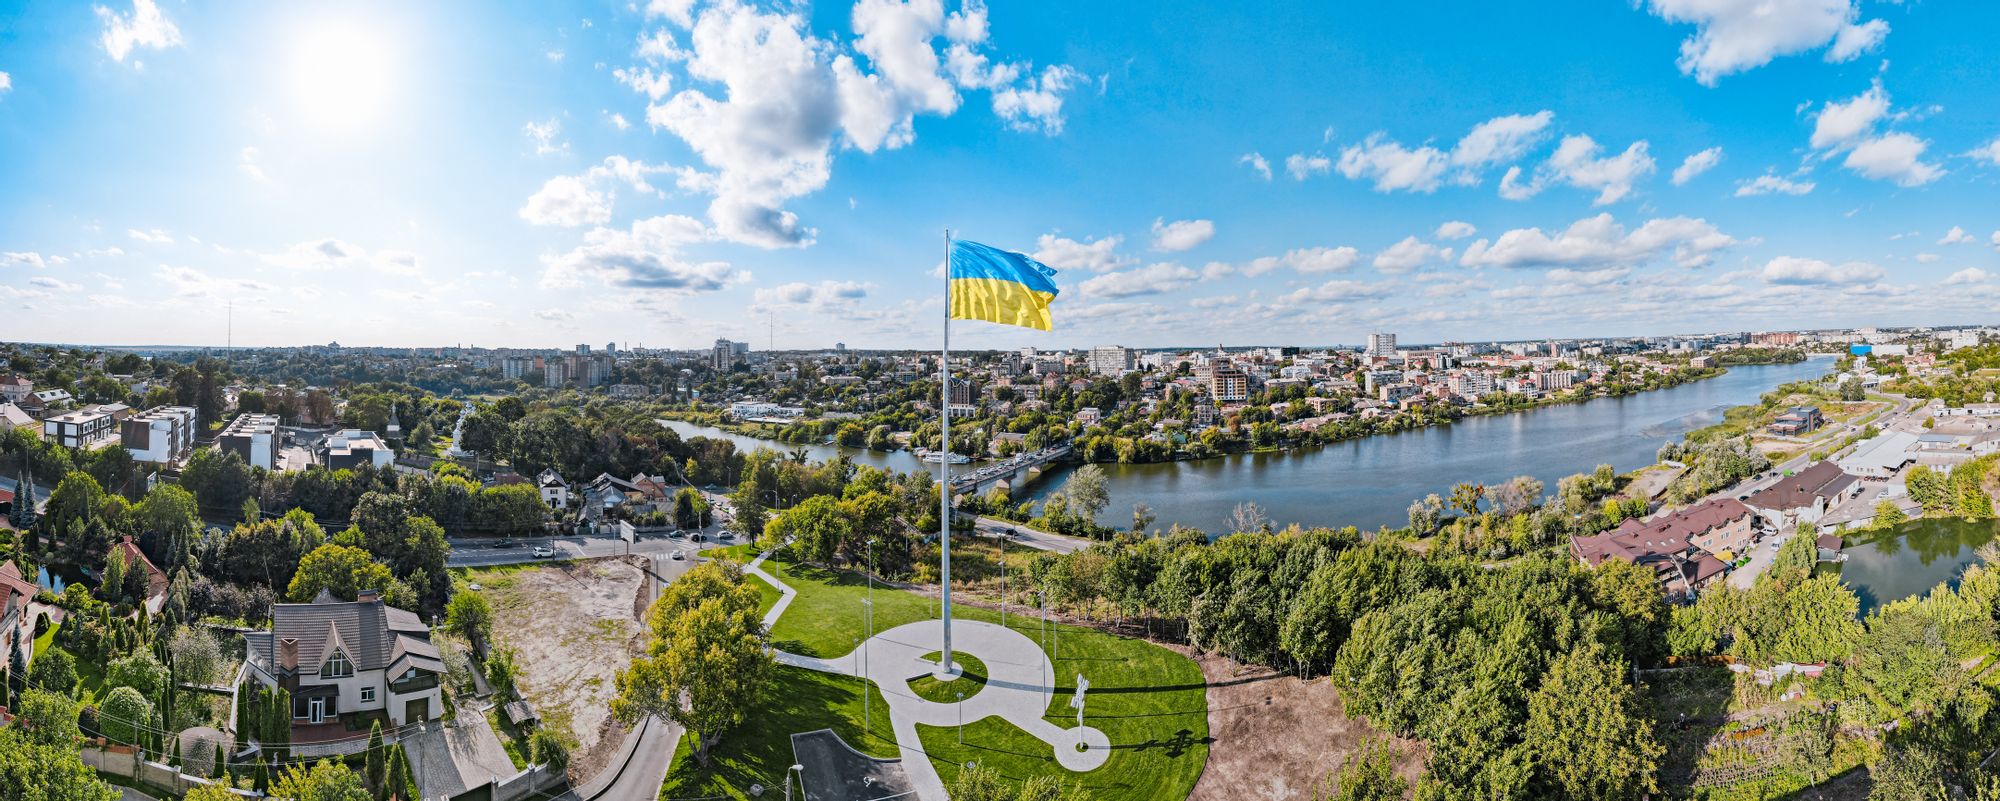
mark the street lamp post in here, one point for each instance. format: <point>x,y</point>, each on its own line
<point>799,769</point>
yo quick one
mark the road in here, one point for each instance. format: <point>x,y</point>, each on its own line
<point>481,552</point>
<point>1039,540</point>
<point>640,770</point>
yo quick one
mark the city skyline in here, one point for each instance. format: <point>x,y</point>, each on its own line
<point>380,175</point>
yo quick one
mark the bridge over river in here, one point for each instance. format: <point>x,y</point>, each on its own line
<point>1009,474</point>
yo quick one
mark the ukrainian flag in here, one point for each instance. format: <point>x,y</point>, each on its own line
<point>999,286</point>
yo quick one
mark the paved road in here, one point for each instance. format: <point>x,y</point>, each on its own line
<point>1040,540</point>
<point>481,552</point>
<point>639,770</point>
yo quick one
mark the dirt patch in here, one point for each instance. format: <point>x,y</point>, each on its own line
<point>1276,736</point>
<point>574,627</point>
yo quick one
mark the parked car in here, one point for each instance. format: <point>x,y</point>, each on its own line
<point>544,552</point>
<point>727,535</point>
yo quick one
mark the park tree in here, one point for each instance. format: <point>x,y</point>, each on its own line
<point>1519,494</point>
<point>37,771</point>
<point>341,570</point>
<point>1586,723</point>
<point>55,671</point>
<point>817,526</point>
<point>1425,514</point>
<point>690,509</point>
<point>470,616</point>
<point>705,665</point>
<point>49,718</point>
<point>125,716</point>
<point>325,780</point>
<point>1366,774</point>
<point>1465,497</point>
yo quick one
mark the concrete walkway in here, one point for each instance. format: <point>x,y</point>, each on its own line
<point>1019,686</point>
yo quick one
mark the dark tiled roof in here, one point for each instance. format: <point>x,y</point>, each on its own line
<point>373,633</point>
<point>1821,480</point>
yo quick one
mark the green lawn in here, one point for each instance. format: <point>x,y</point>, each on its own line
<point>760,751</point>
<point>1150,701</point>
<point>972,677</point>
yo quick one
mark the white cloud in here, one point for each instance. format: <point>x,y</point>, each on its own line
<point>568,201</point>
<point>51,282</point>
<point>6,83</point>
<point>554,56</point>
<point>644,81</point>
<point>1151,279</point>
<point>144,27</point>
<point>618,121</point>
<point>554,315</point>
<point>1037,103</point>
<point>1500,139</point>
<point>1392,166</point>
<point>1893,157</point>
<point>1989,153</point>
<point>1576,163</point>
<point>1307,261</point>
<point>1696,164</point>
<point>1598,277</point>
<point>335,254</point>
<point>1955,236</point>
<point>1839,124</point>
<point>1180,235</point>
<point>14,258</point>
<point>152,237</point>
<point>188,282</point>
<point>644,256</point>
<point>824,296</point>
<point>246,161</point>
<point>1794,270</point>
<point>1263,167</point>
<point>1407,255</point>
<point>1996,239</point>
<point>1853,40</point>
<point>1301,166</point>
<point>1733,36</point>
<point>1770,183</point>
<point>1513,188</point>
<point>1969,275</point>
<point>1456,229</point>
<point>1097,255</point>
<point>1928,258</point>
<point>1600,240</point>
<point>1335,292</point>
<point>544,134</point>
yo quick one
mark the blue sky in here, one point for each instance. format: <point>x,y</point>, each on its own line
<point>668,172</point>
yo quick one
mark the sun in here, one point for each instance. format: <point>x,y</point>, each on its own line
<point>343,76</point>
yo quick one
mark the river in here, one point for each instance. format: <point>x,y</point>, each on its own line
<point>1371,481</point>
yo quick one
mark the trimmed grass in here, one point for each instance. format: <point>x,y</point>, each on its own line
<point>971,679</point>
<point>1150,701</point>
<point>760,751</point>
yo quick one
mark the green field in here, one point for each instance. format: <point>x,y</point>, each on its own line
<point>1149,700</point>
<point>971,677</point>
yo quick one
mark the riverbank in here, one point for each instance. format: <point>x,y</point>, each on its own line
<point>1370,481</point>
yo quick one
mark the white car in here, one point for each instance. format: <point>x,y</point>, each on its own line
<point>543,552</point>
<point>678,556</point>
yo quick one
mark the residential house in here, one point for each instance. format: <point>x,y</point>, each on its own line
<point>162,435</point>
<point>253,437</point>
<point>340,658</point>
<point>1683,567</point>
<point>1797,420</point>
<point>156,579</point>
<point>555,491</point>
<point>12,417</point>
<point>1804,497</point>
<point>351,448</point>
<point>14,388</point>
<point>19,610</point>
<point>80,429</point>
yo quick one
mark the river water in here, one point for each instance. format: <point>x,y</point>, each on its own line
<point>1371,481</point>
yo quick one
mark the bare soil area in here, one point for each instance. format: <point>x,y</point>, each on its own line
<point>573,625</point>
<point>1278,737</point>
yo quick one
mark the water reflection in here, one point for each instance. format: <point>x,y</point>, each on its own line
<point>1912,558</point>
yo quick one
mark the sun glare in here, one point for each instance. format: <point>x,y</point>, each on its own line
<point>342,76</point>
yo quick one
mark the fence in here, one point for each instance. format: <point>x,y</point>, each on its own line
<point>126,762</point>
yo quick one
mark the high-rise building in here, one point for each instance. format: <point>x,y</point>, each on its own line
<point>1110,360</point>
<point>1227,383</point>
<point>962,392</point>
<point>611,347</point>
<point>1381,344</point>
<point>583,349</point>
<point>727,354</point>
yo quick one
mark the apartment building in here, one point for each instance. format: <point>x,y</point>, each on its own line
<point>80,429</point>
<point>1110,360</point>
<point>1227,383</point>
<point>162,434</point>
<point>254,438</point>
<point>351,448</point>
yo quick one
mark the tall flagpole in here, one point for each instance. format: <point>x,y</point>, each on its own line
<point>944,502</point>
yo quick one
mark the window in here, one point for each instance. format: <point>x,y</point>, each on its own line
<point>367,695</point>
<point>336,667</point>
